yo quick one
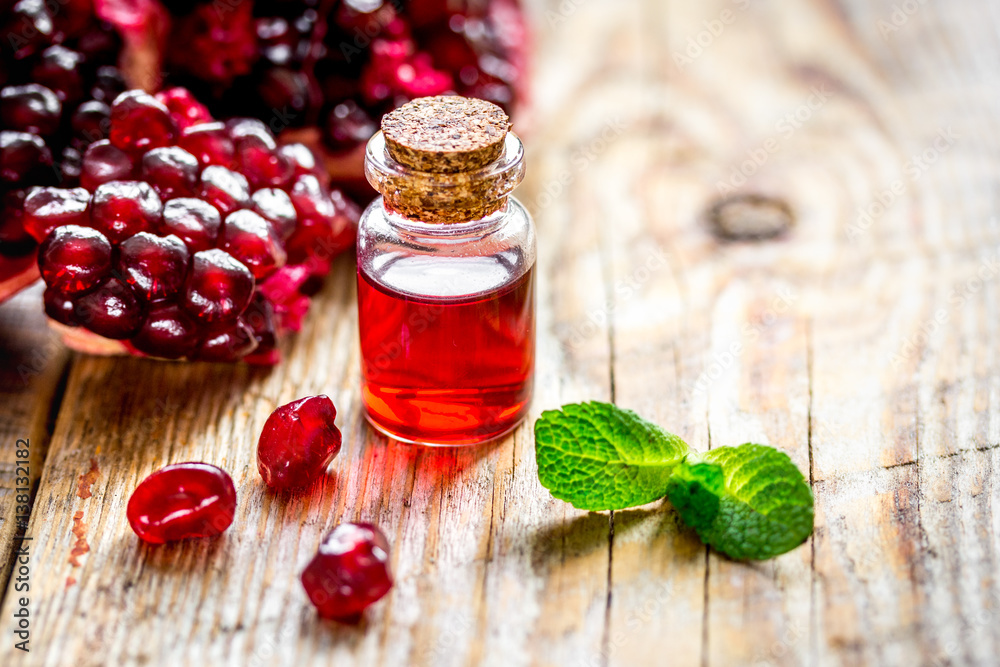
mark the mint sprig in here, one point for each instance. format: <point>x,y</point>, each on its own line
<point>600,457</point>
<point>748,502</point>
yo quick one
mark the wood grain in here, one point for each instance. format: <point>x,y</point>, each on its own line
<point>863,341</point>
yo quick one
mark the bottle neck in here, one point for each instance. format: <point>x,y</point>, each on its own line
<point>445,198</point>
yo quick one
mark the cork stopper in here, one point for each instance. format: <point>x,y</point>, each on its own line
<point>445,134</point>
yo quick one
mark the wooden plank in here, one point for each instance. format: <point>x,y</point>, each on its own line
<point>31,363</point>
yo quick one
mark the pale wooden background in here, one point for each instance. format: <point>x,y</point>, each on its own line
<point>870,357</point>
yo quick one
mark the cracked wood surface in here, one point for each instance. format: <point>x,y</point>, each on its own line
<point>865,347</point>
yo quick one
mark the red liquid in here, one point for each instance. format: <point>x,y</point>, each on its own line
<point>453,371</point>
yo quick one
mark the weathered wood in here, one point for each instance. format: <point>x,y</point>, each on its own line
<point>862,341</point>
<point>31,364</point>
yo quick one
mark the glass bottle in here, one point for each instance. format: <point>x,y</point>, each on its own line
<point>446,279</point>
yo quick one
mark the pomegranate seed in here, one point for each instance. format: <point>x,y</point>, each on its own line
<point>154,266</point>
<point>24,158</point>
<point>12,231</point>
<point>304,161</point>
<point>312,199</point>
<point>276,207</point>
<point>347,126</point>
<point>263,166</point>
<point>210,143</point>
<point>74,259</point>
<point>139,122</point>
<point>242,128</point>
<point>29,27</point>
<point>249,238</point>
<point>349,572</point>
<point>219,287</point>
<point>91,121</point>
<point>30,108</point>
<point>123,208</point>
<point>184,108</point>
<point>171,170</point>
<point>48,208</point>
<point>112,310</point>
<point>224,189</point>
<point>103,163</point>
<point>58,69</point>
<point>227,343</point>
<point>59,307</point>
<point>298,442</point>
<point>109,84</point>
<point>196,222</point>
<point>181,501</point>
<point>168,332</point>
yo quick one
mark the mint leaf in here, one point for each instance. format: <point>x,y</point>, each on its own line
<point>749,502</point>
<point>600,457</point>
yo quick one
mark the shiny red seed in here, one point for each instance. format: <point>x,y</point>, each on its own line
<point>168,332</point>
<point>348,126</point>
<point>48,208</point>
<point>194,221</point>
<point>304,161</point>
<point>219,287</point>
<point>123,208</point>
<point>74,259</point>
<point>225,189</point>
<point>241,128</point>
<point>91,120</point>
<point>298,442</point>
<point>112,310</point>
<point>249,238</point>
<point>154,266</point>
<point>227,342</point>
<point>349,572</point>
<point>24,158</point>
<point>139,122</point>
<point>59,307</point>
<point>210,143</point>
<point>276,207</point>
<point>263,166</point>
<point>30,108</point>
<point>171,170</point>
<point>103,163</point>
<point>58,69</point>
<point>181,501</point>
<point>184,108</point>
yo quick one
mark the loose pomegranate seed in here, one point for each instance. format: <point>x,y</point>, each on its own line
<point>154,266</point>
<point>298,442</point>
<point>59,307</point>
<point>139,122</point>
<point>225,189</point>
<point>74,259</point>
<point>172,171</point>
<point>227,343</point>
<point>210,143</point>
<point>349,572</point>
<point>103,163</point>
<point>123,208</point>
<point>219,287</point>
<point>168,332</point>
<point>48,208</point>
<point>276,207</point>
<point>249,238</point>
<point>181,501</point>
<point>30,108</point>
<point>24,158</point>
<point>196,222</point>
<point>112,310</point>
<point>58,69</point>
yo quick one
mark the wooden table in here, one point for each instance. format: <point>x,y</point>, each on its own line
<point>863,341</point>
